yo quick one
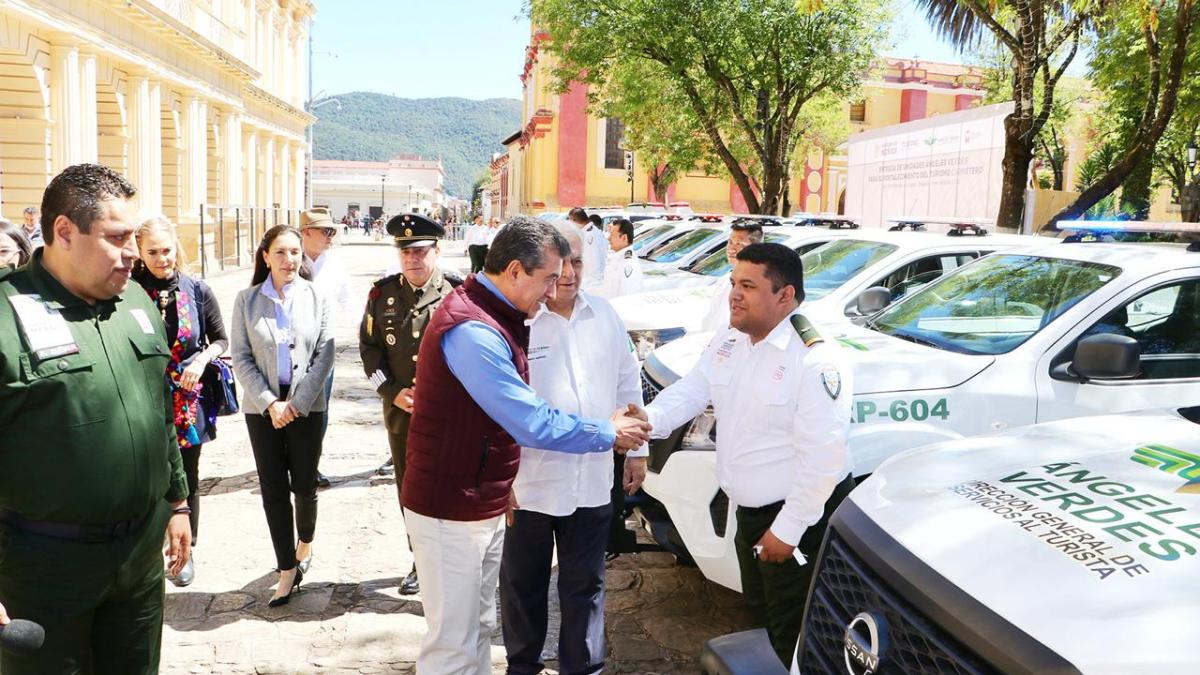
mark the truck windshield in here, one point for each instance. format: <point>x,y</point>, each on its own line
<point>828,267</point>
<point>651,235</point>
<point>994,305</point>
<point>683,245</point>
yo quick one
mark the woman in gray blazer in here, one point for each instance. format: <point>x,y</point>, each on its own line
<point>282,351</point>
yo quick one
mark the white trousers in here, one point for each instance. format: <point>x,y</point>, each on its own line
<point>459,564</point>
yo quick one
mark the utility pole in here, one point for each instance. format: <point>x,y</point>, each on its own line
<point>310,107</point>
<point>382,194</point>
<point>629,172</point>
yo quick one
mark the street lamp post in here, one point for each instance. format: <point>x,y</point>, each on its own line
<point>310,107</point>
<point>382,194</point>
<point>410,209</point>
<point>1187,199</point>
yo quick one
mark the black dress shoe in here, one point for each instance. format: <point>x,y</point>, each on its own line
<point>303,565</point>
<point>411,585</point>
<point>386,468</point>
<point>285,599</point>
<point>322,480</point>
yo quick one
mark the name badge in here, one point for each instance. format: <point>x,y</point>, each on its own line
<point>538,353</point>
<point>45,329</point>
<point>143,320</point>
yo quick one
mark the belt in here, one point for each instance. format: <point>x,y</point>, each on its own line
<point>88,534</point>
<point>760,510</point>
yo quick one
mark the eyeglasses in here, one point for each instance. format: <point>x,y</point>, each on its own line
<point>327,231</point>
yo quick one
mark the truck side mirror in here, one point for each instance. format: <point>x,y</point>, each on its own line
<point>872,300</point>
<point>1107,356</point>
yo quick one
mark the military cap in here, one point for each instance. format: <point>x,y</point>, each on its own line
<point>413,229</point>
<point>318,217</point>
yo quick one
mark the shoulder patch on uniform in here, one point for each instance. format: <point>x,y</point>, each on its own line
<point>375,292</point>
<point>807,332</point>
<point>388,279</point>
<point>831,379</point>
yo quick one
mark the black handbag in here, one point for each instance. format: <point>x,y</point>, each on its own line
<point>220,390</point>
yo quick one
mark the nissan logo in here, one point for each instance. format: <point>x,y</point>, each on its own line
<point>866,641</point>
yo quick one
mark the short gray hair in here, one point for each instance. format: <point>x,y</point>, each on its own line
<point>571,232</point>
<point>525,240</point>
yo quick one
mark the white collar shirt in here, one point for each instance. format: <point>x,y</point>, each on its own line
<point>717,318</point>
<point>783,417</point>
<point>622,274</point>
<point>583,366</point>
<point>595,248</point>
<point>332,282</point>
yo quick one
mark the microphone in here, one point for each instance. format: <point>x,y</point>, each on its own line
<point>22,637</point>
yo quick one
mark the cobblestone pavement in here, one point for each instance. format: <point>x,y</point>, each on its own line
<point>348,618</point>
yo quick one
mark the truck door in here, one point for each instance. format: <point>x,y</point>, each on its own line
<point>1163,315</point>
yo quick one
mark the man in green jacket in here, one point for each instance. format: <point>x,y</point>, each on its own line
<point>90,473</point>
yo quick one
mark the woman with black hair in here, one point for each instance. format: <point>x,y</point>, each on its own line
<point>283,354</point>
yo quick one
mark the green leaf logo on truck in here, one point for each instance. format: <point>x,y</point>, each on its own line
<point>1172,461</point>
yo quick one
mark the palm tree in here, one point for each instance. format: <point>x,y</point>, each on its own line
<point>1034,32</point>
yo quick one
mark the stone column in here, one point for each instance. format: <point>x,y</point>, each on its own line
<point>144,104</point>
<point>66,107</point>
<point>267,156</point>
<point>87,98</point>
<point>195,155</point>
<point>300,162</point>
<point>250,194</point>
<point>269,40</point>
<point>283,161</point>
<point>232,179</point>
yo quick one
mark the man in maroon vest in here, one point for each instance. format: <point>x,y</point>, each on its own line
<point>473,410</point>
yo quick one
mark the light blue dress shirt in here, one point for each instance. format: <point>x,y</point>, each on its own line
<point>479,357</point>
<point>283,329</point>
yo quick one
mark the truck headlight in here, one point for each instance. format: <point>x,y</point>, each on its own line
<point>701,434</point>
<point>646,341</point>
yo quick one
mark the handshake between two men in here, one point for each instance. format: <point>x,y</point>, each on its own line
<point>633,428</point>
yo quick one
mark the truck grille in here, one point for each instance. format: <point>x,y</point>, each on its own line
<point>844,587</point>
<point>650,388</point>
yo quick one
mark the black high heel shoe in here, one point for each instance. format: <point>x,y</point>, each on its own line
<point>285,599</point>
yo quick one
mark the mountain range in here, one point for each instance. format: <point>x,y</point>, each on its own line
<point>376,127</point>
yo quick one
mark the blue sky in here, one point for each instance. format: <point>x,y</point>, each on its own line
<point>470,48</point>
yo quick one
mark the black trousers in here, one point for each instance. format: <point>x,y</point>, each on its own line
<point>191,467</point>
<point>286,460</point>
<point>775,593</point>
<point>525,584</point>
<point>477,253</point>
<point>398,444</point>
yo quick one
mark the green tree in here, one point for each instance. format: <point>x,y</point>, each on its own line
<point>1041,38</point>
<point>1142,53</point>
<point>747,70</point>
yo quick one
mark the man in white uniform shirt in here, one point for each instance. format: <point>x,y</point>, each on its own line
<point>580,361</point>
<point>623,269</point>
<point>741,235</point>
<point>317,232</point>
<point>595,246</point>
<point>781,395</point>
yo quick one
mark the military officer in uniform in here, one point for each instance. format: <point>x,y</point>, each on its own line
<point>398,308</point>
<point>781,395</point>
<point>623,269</point>
<point>90,471</point>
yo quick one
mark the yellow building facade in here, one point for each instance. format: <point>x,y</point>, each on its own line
<point>564,156</point>
<point>200,103</point>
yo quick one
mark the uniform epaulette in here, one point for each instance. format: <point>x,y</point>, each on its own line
<point>388,279</point>
<point>628,254</point>
<point>454,278</point>
<point>807,332</point>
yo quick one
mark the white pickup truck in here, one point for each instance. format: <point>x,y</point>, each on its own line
<point>1018,337</point>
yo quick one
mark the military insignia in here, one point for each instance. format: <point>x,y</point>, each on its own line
<point>628,271</point>
<point>831,379</point>
<point>391,340</point>
<point>370,325</point>
<point>408,231</point>
<point>391,301</point>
